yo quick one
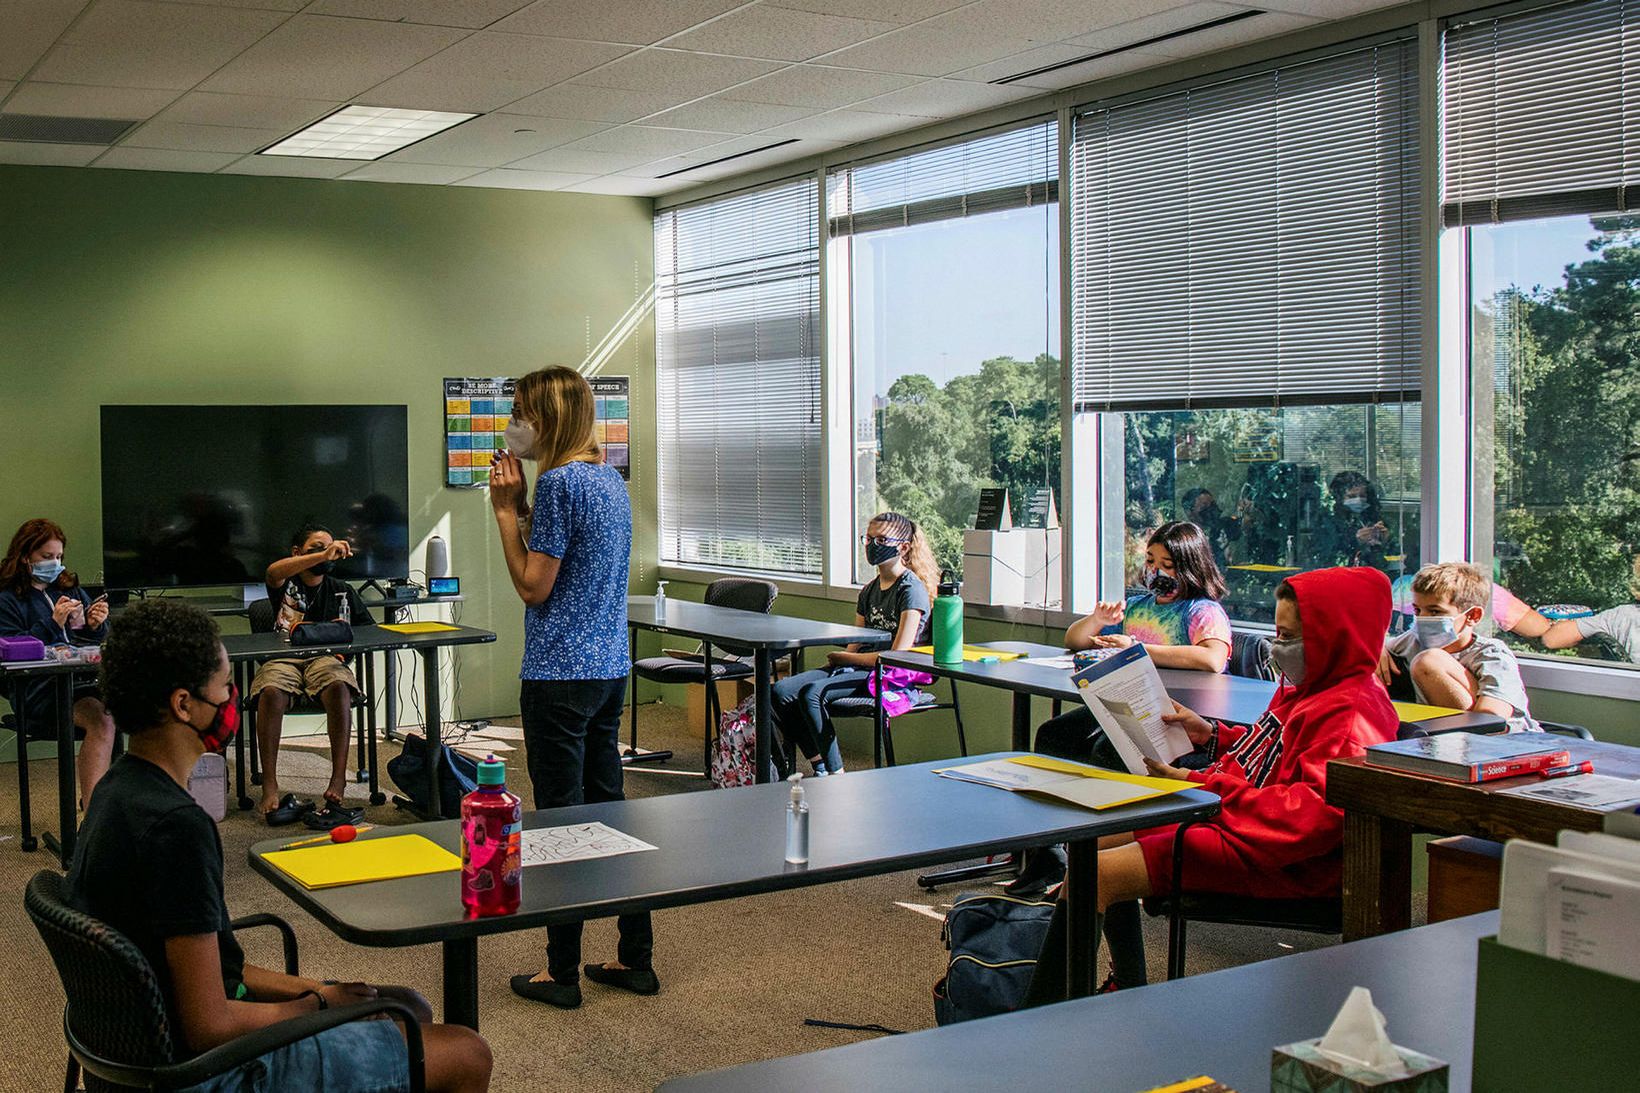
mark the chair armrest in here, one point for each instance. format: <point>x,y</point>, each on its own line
<point>253,1045</point>
<point>287,936</point>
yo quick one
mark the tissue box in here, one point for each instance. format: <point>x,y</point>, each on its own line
<point>1299,1068</point>
<point>1542,1023</point>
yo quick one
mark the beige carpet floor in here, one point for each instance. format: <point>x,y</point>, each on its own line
<point>738,978</point>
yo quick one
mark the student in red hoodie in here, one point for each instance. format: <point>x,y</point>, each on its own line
<point>1275,835</point>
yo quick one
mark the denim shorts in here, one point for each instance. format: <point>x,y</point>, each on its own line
<point>359,1057</point>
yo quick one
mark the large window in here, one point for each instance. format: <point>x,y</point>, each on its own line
<point>738,381</point>
<point>948,263</point>
<point>1246,307</point>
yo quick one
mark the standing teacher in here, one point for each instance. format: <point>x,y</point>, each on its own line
<point>568,562</point>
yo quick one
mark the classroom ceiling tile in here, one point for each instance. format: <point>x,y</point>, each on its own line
<point>61,100</point>
<point>494,139</point>
<point>1040,57</point>
<point>622,186</point>
<point>683,75</point>
<point>581,161</point>
<point>247,111</point>
<point>729,115</point>
<point>271,5</point>
<point>508,179</point>
<point>649,139</point>
<point>638,22</point>
<point>1324,9</point>
<point>488,71</point>
<point>422,174</point>
<point>322,57</point>
<point>135,43</point>
<point>27,29</point>
<point>926,50</point>
<point>5,88</point>
<point>201,138</point>
<point>845,125</point>
<point>1150,26</point>
<point>472,14</point>
<point>819,87</point>
<point>163,159</point>
<point>569,100</point>
<point>290,167</point>
<point>1129,60</point>
<point>755,160</point>
<point>894,11</point>
<point>1038,20</point>
<point>945,98</point>
<point>1241,32</point>
<point>49,155</point>
<point>779,33</point>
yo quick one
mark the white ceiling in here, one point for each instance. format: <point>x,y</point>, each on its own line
<point>598,96</point>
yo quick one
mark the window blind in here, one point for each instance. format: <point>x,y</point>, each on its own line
<point>1542,112</point>
<point>1011,170</point>
<point>1250,242</point>
<point>737,300</point>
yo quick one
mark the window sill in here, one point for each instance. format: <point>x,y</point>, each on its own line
<point>1579,677</point>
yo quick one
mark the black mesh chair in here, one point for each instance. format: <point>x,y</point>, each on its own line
<point>1320,915</point>
<point>882,734</point>
<point>1560,728</point>
<point>740,593</point>
<point>1250,656</point>
<point>261,616</point>
<point>115,1020</point>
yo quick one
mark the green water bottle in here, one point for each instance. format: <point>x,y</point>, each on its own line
<point>947,623</point>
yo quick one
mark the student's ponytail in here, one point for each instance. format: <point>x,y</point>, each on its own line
<point>919,556</point>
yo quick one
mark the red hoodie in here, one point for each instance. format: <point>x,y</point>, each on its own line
<point>1275,835</point>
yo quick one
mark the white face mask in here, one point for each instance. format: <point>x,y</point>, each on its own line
<point>1356,504</point>
<point>520,438</point>
<point>1435,631</point>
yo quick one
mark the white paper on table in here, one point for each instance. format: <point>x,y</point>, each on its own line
<point>576,842</point>
<point>1596,791</point>
<point>1591,919</point>
<point>1066,662</point>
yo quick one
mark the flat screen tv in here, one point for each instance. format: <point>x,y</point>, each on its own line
<point>209,495</point>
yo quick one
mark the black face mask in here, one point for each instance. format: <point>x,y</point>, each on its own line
<point>878,553</point>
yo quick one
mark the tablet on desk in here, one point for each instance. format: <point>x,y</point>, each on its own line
<point>444,586</point>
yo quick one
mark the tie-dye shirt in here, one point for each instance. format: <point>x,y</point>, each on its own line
<point>1182,622</point>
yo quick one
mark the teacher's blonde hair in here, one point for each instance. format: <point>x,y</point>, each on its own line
<point>558,401</point>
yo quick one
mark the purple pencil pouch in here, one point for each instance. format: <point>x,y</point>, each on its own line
<point>22,649</point>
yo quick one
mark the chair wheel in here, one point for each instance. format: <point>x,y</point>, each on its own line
<point>378,798</point>
<point>361,776</point>
<point>246,804</point>
<point>256,779</point>
<point>31,844</point>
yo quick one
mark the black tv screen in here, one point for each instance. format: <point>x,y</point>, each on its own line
<point>209,495</point>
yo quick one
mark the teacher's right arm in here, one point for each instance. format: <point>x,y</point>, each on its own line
<point>533,573</point>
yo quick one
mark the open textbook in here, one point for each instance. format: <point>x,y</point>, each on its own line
<point>1128,700</point>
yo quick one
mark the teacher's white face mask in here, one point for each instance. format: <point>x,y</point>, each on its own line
<point>520,438</point>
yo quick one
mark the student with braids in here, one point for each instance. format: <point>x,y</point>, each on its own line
<point>897,600</point>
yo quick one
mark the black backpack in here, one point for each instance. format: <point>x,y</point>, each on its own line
<point>457,776</point>
<point>994,942</point>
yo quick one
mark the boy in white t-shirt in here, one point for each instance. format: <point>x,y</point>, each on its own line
<point>1447,662</point>
<point>1621,624</point>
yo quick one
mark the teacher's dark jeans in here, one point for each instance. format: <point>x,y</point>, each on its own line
<point>572,732</point>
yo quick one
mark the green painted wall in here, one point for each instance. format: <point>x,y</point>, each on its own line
<point>139,287</point>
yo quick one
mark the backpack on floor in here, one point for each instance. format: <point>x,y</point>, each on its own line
<point>735,746</point>
<point>994,942</point>
<point>457,776</point>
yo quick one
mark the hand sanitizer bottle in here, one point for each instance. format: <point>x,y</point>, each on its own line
<point>660,601</point>
<point>797,824</point>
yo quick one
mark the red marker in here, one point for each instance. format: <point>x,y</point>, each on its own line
<point>1585,767</point>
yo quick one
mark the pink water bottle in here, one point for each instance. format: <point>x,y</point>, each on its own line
<point>492,824</point>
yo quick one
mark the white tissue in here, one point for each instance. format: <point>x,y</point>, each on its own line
<point>1357,1037</point>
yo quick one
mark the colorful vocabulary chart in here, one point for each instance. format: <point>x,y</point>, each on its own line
<point>475,424</point>
<point>614,420</point>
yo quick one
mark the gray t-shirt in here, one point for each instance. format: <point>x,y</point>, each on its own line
<point>881,607</point>
<point>1496,672</point>
<point>1621,624</point>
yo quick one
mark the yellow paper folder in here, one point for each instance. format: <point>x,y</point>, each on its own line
<point>972,652</point>
<point>1414,712</point>
<point>418,627</point>
<point>364,860</point>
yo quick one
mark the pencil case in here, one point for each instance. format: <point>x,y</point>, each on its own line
<point>22,649</point>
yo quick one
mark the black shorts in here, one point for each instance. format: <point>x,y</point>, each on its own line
<point>36,703</point>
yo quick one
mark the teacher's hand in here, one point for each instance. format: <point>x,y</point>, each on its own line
<point>507,483</point>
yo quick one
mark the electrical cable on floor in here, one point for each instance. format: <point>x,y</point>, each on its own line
<point>815,1022</point>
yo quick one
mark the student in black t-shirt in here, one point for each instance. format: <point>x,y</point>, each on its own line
<point>149,864</point>
<point>897,600</point>
<point>301,589</point>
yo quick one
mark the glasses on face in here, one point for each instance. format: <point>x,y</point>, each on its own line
<point>882,540</point>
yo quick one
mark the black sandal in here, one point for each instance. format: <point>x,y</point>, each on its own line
<point>332,816</point>
<point>290,809</point>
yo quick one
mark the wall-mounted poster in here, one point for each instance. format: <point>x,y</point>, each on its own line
<point>475,424</point>
<point>614,420</point>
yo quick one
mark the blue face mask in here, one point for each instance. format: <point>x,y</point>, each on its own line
<point>46,571</point>
<point>1435,631</point>
<point>1356,504</point>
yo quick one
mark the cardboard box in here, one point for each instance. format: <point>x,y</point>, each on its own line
<point>1010,568</point>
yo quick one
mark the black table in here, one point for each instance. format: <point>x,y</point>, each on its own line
<point>245,651</point>
<point>62,675</point>
<point>766,635</point>
<point>1223,1024</point>
<point>865,823</point>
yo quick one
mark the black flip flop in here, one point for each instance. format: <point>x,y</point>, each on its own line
<point>332,816</point>
<point>291,808</point>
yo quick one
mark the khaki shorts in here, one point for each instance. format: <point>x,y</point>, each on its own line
<point>307,676</point>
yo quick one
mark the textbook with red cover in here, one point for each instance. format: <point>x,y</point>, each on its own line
<point>1470,757</point>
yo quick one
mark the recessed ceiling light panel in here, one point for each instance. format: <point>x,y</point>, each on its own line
<point>364,132</point>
